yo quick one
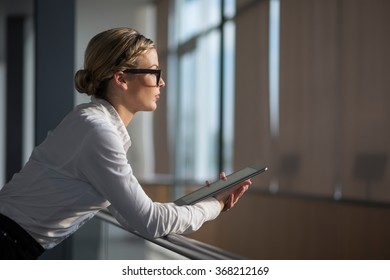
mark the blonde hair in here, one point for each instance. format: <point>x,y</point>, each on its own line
<point>110,51</point>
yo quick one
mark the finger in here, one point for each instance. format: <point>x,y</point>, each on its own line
<point>240,190</point>
<point>247,182</point>
<point>239,193</point>
<point>222,175</point>
<point>231,200</point>
<point>228,203</point>
<point>207,183</point>
<point>245,189</point>
<point>234,197</point>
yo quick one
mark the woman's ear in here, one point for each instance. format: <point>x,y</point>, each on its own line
<point>120,79</point>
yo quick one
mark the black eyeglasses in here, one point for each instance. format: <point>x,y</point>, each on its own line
<point>156,72</point>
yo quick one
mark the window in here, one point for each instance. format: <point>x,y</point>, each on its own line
<point>202,52</point>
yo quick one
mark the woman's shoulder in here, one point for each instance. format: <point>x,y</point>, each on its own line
<point>90,115</point>
<point>102,121</point>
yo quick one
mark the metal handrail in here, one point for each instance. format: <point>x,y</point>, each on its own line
<point>182,245</point>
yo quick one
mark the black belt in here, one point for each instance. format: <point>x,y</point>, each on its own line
<point>15,234</point>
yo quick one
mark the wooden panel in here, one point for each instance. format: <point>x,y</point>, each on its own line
<point>308,96</point>
<point>366,100</point>
<point>275,227</point>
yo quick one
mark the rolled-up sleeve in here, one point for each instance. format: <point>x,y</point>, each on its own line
<point>103,163</point>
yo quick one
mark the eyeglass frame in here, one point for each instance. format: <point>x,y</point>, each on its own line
<point>157,72</point>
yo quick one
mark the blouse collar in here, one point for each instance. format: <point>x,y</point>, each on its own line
<point>115,120</point>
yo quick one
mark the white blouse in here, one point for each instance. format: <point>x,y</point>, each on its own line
<point>81,168</point>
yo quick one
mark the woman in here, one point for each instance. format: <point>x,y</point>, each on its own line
<point>81,167</point>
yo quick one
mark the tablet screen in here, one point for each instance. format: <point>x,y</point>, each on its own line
<point>220,185</point>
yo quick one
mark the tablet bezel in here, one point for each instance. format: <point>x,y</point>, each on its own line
<point>221,185</point>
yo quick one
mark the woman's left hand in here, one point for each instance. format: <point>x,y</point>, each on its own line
<point>230,197</point>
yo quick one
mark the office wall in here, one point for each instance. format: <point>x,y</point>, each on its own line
<point>2,123</point>
<point>333,130</point>
<point>365,100</point>
<point>24,8</point>
<point>2,93</point>
<point>333,93</point>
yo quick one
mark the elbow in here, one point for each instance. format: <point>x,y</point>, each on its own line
<point>161,224</point>
<point>152,233</point>
<point>152,228</point>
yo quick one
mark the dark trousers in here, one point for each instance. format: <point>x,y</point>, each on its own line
<point>16,243</point>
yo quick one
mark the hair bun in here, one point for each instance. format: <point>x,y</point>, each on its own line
<point>83,82</point>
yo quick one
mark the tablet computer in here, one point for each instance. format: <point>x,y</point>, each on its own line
<point>231,180</point>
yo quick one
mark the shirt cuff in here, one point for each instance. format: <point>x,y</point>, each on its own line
<point>211,206</point>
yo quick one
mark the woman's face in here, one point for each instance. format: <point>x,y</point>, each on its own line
<point>143,91</point>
